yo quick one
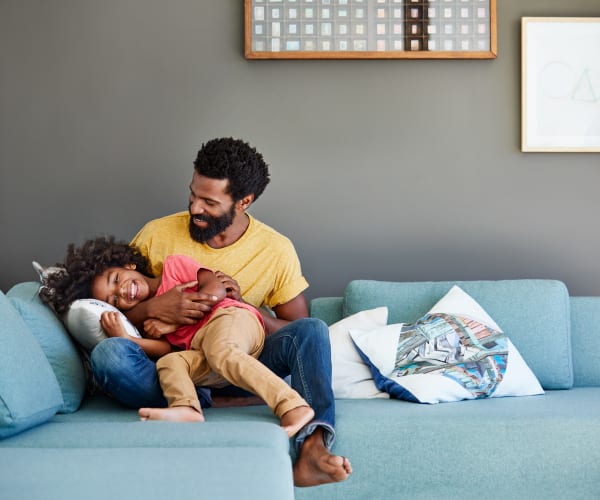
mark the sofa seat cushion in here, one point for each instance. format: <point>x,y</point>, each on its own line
<point>138,434</point>
<point>100,455</point>
<point>29,391</point>
<point>486,448</point>
<point>53,338</point>
<point>534,314</point>
<point>159,472</point>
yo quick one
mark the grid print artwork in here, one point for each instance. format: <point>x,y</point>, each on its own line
<point>370,25</point>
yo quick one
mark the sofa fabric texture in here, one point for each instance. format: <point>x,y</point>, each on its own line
<point>29,391</point>
<point>59,348</point>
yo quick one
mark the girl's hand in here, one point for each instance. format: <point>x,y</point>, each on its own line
<point>155,328</point>
<point>111,324</point>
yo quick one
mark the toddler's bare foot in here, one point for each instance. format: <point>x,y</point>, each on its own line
<point>292,421</point>
<point>171,414</point>
<point>317,465</point>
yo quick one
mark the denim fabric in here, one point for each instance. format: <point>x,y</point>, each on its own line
<point>300,349</point>
<point>122,370</point>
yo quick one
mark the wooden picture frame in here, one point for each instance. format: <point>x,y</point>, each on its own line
<point>370,29</point>
<point>560,84</point>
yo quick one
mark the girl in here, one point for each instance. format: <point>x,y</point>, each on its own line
<point>221,349</point>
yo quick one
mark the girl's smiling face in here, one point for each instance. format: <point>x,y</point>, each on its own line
<point>122,287</point>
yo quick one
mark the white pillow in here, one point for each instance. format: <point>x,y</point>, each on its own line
<point>83,322</point>
<point>519,380</point>
<point>434,360</point>
<point>351,377</point>
<point>460,303</point>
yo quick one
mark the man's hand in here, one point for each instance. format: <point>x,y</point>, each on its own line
<point>179,307</point>
<point>232,287</point>
<point>155,328</point>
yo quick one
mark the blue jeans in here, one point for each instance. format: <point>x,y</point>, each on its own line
<point>300,349</point>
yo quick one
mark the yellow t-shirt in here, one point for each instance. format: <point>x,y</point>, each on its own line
<point>262,261</point>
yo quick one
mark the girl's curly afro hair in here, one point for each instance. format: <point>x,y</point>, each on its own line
<point>82,264</point>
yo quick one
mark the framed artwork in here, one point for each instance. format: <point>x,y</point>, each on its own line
<point>370,29</point>
<point>560,101</point>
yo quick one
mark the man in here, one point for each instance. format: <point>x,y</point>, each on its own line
<point>257,265</point>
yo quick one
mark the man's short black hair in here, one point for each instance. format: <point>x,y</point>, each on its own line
<point>236,161</point>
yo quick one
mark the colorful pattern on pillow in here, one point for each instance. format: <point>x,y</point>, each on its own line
<point>461,349</point>
<point>446,357</point>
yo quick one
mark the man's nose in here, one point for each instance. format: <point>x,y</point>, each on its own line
<point>197,207</point>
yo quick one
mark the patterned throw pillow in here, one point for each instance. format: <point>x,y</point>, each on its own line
<point>446,357</point>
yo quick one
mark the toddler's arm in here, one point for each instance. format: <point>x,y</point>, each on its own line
<point>154,348</point>
<point>209,283</point>
<point>155,328</point>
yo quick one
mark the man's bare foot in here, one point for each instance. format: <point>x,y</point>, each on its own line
<point>317,465</point>
<point>292,421</point>
<point>171,414</point>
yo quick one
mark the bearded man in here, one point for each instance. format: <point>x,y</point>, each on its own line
<point>257,265</point>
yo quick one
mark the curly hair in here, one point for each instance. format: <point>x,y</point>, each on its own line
<point>82,264</point>
<point>236,161</point>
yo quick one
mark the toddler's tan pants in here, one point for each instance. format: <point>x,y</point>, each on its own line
<point>225,351</point>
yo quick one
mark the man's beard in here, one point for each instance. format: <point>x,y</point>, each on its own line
<point>216,225</point>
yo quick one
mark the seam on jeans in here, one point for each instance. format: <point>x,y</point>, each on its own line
<point>307,394</point>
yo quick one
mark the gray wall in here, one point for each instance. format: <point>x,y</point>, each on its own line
<point>399,170</point>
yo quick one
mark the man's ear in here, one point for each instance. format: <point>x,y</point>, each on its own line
<point>246,201</point>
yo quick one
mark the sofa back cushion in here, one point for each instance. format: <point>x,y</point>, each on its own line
<point>585,340</point>
<point>59,348</point>
<point>29,391</point>
<point>534,314</point>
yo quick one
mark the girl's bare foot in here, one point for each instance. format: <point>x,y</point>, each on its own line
<point>292,421</point>
<point>171,414</point>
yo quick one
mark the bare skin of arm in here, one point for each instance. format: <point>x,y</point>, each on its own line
<point>211,285</point>
<point>154,348</point>
<point>284,313</point>
<point>208,285</point>
<point>175,306</point>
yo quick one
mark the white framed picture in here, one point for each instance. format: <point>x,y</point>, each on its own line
<point>560,93</point>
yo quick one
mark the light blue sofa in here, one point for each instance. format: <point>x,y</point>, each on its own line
<point>524,447</point>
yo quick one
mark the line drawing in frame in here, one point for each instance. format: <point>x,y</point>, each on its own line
<point>560,84</point>
<point>370,29</point>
